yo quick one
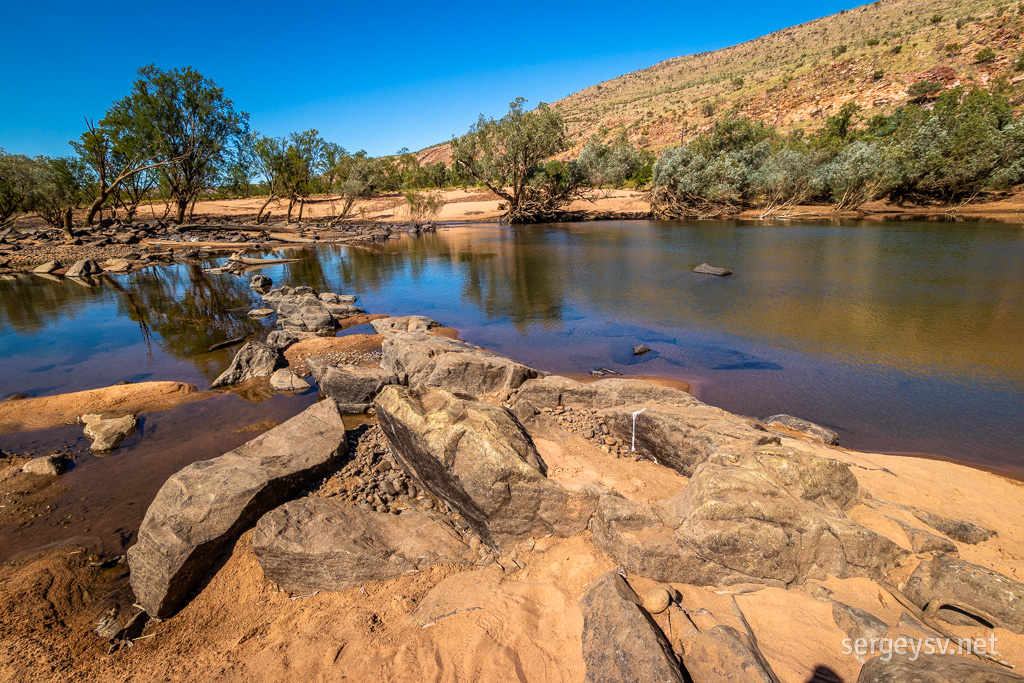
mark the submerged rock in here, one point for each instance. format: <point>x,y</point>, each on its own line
<point>260,282</point>
<point>477,458</point>
<point>107,435</point>
<point>705,269</point>
<point>327,544</point>
<point>620,640</point>
<point>209,503</point>
<point>286,380</point>
<point>640,350</point>
<point>255,359</point>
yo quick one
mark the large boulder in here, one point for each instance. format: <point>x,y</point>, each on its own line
<point>210,503</point>
<point>554,390</point>
<point>621,642</point>
<point>353,388</point>
<point>421,358</point>
<point>760,519</point>
<point>328,544</point>
<point>933,669</point>
<point>408,323</point>
<point>255,359</point>
<point>84,268</point>
<point>952,589</point>
<point>477,458</point>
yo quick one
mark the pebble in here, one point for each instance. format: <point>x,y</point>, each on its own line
<point>657,600</point>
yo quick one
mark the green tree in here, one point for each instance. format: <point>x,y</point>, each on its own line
<point>186,120</point>
<point>16,174</point>
<point>507,156</point>
<point>58,185</point>
<point>610,164</point>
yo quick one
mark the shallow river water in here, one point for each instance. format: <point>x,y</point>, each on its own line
<point>903,337</point>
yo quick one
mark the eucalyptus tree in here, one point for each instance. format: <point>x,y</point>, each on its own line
<point>57,186</point>
<point>15,185</point>
<point>183,119</point>
<point>507,156</point>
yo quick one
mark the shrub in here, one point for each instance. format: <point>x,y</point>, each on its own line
<point>936,18</point>
<point>954,48</point>
<point>923,89</point>
<point>896,49</point>
<point>872,42</point>
<point>985,55</point>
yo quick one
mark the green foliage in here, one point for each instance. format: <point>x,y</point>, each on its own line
<point>924,89</point>
<point>871,42</point>
<point>738,82</point>
<point>184,119</point>
<point>423,206</point>
<point>954,48</point>
<point>936,18</point>
<point>612,164</point>
<point>57,186</point>
<point>839,50</point>
<point>896,49</point>
<point>985,55</point>
<point>15,184</point>
<point>508,156</point>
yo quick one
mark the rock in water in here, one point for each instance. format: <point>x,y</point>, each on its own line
<point>353,388</point>
<point>255,359</point>
<point>286,380</point>
<point>476,457</point>
<point>450,364</point>
<point>261,312</point>
<point>640,350</point>
<point>211,502</point>
<point>620,642</point>
<point>48,465</point>
<point>408,323</point>
<point>107,435</point>
<point>825,435</point>
<point>260,282</point>
<point>933,669</point>
<point>705,269</point>
<point>326,544</point>
<point>84,268</point>
<point>47,268</point>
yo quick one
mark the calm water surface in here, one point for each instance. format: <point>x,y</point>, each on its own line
<point>905,337</point>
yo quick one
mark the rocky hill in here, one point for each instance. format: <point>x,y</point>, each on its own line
<point>796,77</point>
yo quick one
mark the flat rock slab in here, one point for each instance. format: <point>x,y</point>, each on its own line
<point>327,544</point>
<point>422,358</point>
<point>706,269</point>
<point>553,391</point>
<point>934,669</point>
<point>621,642</point>
<point>407,323</point>
<point>210,503</point>
<point>476,457</point>
<point>107,435</point>
<point>823,434</point>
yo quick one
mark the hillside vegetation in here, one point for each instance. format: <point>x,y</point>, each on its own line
<point>797,77</point>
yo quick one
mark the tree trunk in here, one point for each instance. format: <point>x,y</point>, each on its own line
<point>97,206</point>
<point>302,204</point>
<point>291,203</point>
<point>181,209</point>
<point>67,224</point>
<point>264,207</point>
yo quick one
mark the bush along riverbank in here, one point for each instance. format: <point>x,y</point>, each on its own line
<point>614,529</point>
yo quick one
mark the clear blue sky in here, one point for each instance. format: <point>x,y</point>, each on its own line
<point>369,75</point>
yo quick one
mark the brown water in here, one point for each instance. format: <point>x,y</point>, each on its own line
<point>906,337</point>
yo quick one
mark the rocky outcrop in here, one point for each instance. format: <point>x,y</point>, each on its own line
<point>326,544</point>
<point>554,391</point>
<point>477,458</point>
<point>421,358</point>
<point>823,434</point>
<point>353,388</point>
<point>302,309</point>
<point>933,669</point>
<point>922,541</point>
<point>963,593</point>
<point>255,359</point>
<point>209,503</point>
<point>408,323</point>
<point>107,435</point>
<point>957,529</point>
<point>620,640</point>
